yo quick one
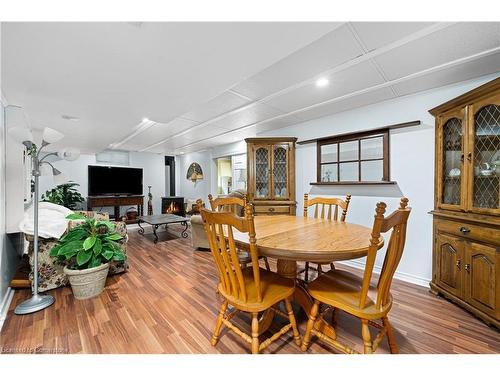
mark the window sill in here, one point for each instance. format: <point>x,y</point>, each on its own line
<point>354,183</point>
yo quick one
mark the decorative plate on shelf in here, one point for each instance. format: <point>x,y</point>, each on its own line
<point>455,172</point>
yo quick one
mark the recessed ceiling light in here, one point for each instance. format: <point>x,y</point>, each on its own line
<point>145,119</point>
<point>322,82</point>
<point>182,152</point>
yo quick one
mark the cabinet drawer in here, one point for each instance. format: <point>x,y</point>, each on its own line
<point>471,231</point>
<point>272,210</point>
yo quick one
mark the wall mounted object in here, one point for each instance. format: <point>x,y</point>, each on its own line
<point>194,173</point>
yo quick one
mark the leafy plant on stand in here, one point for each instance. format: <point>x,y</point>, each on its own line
<point>89,244</point>
<point>64,195</point>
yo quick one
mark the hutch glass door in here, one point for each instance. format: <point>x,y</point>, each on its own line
<point>280,172</point>
<point>452,161</point>
<point>486,156</point>
<point>262,168</point>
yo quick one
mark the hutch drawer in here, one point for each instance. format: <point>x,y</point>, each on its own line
<point>469,231</point>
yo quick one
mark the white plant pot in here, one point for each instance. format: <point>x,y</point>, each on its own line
<point>87,283</point>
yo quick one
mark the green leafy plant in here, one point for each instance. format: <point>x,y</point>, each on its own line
<point>65,195</point>
<point>89,244</point>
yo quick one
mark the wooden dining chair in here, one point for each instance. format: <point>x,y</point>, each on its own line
<point>331,204</point>
<point>357,296</point>
<point>236,206</point>
<point>251,289</point>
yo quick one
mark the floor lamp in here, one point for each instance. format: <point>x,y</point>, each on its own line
<point>38,301</point>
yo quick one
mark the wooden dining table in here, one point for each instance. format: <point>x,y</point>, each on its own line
<point>292,239</point>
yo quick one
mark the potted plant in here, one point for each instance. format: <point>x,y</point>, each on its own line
<point>86,250</point>
<point>64,195</point>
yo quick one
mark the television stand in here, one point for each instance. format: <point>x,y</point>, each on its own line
<point>116,201</point>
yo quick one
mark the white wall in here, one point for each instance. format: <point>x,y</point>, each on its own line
<point>411,164</point>
<point>153,166</point>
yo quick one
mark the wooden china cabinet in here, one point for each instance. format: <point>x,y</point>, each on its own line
<point>271,175</point>
<point>466,255</point>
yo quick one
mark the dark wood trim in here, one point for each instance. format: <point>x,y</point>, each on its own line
<point>116,202</point>
<point>360,133</point>
<point>270,139</point>
<point>358,137</point>
<point>355,183</point>
<point>467,98</point>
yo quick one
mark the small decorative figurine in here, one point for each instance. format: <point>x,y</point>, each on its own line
<point>150,201</point>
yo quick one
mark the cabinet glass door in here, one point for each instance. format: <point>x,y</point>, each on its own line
<point>485,120</point>
<point>262,177</point>
<point>451,159</point>
<point>280,172</point>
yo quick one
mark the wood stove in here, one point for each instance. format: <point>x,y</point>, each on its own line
<point>173,205</point>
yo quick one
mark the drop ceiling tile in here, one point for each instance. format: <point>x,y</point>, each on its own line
<point>160,131</point>
<point>198,134</point>
<point>355,78</point>
<point>377,34</point>
<point>255,113</point>
<point>454,42</point>
<point>282,122</point>
<point>325,53</point>
<point>347,104</point>
<point>459,73</point>
<point>223,103</point>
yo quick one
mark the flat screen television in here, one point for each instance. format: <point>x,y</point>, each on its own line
<point>114,180</point>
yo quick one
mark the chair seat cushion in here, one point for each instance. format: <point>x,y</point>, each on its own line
<point>274,288</point>
<point>342,289</point>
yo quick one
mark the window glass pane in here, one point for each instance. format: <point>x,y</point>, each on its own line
<point>329,173</point>
<point>372,170</point>
<point>349,171</point>
<point>329,153</point>
<point>349,151</point>
<point>372,148</point>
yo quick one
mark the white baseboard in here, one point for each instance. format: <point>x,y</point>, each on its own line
<point>4,306</point>
<point>403,276</point>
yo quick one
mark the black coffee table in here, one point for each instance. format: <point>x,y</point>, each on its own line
<point>157,220</point>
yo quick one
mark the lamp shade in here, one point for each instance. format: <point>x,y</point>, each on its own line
<point>51,135</point>
<point>59,177</point>
<point>46,170</point>
<point>20,134</point>
<point>69,154</point>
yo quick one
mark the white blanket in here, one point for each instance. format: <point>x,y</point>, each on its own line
<point>52,221</point>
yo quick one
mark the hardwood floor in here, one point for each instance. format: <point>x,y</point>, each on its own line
<point>166,304</point>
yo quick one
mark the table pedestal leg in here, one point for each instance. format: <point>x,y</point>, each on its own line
<point>288,268</point>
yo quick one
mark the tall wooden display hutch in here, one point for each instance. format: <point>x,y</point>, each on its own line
<point>271,175</point>
<point>466,255</point>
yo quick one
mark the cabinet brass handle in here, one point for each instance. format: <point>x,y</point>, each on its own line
<point>464,230</point>
<point>462,158</point>
<point>467,267</point>
<point>459,262</point>
<point>469,156</point>
<point>271,209</point>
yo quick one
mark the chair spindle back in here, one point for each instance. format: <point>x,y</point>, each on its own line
<point>334,203</point>
<point>227,204</point>
<point>219,228</point>
<point>397,221</point>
